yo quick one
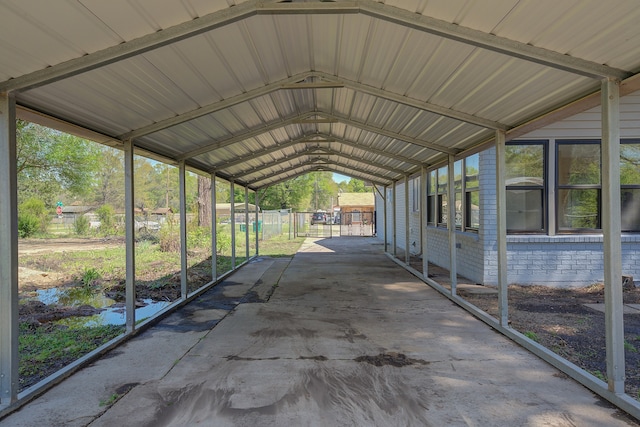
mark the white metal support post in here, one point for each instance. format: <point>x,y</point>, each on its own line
<point>384,219</point>
<point>183,230</point>
<point>233,224</point>
<point>393,218</point>
<point>214,230</point>
<point>501,222</point>
<point>423,221</point>
<point>612,229</point>
<point>130,237</point>
<point>246,221</point>
<point>407,247</point>
<point>451,224</point>
<point>257,202</point>
<point>9,250</point>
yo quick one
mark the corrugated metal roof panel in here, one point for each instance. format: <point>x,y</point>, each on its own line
<point>251,54</point>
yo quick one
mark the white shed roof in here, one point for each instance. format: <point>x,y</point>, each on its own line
<point>262,91</point>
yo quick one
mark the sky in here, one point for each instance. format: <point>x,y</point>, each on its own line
<point>340,178</point>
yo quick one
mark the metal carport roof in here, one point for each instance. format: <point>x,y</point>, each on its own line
<point>262,91</point>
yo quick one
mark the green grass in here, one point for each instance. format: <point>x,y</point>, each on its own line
<point>44,350</point>
<point>280,246</point>
<point>532,336</point>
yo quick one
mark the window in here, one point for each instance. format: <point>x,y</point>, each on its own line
<point>457,192</point>
<point>630,185</point>
<point>415,195</point>
<point>525,186</point>
<point>432,186</point>
<point>466,192</point>
<point>442,195</point>
<point>472,192</point>
<point>578,185</point>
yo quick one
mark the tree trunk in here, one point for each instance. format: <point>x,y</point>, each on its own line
<point>204,201</point>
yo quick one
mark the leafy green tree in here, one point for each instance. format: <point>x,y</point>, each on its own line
<point>34,213</point>
<point>51,163</point>
<point>107,216</point>
<point>294,193</point>
<point>353,186</point>
<point>109,178</point>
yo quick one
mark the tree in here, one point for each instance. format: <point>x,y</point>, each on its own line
<point>204,201</point>
<point>51,163</point>
<point>353,186</point>
<point>294,193</point>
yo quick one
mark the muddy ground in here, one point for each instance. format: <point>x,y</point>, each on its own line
<point>559,320</point>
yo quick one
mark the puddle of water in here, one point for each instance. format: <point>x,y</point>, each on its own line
<point>113,314</point>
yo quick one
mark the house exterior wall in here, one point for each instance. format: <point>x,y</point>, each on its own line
<point>560,260</point>
<point>565,260</point>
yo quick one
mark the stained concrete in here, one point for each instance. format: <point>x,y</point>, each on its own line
<point>346,338</point>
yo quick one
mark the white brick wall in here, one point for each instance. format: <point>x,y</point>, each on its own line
<point>565,260</point>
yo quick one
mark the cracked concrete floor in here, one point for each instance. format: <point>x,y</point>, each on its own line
<point>346,338</point>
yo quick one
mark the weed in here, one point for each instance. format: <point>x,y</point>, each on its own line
<point>598,375</point>
<point>89,277</point>
<point>630,347</point>
<point>532,336</point>
<point>111,400</point>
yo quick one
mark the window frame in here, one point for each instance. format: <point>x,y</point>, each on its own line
<point>467,193</point>
<point>568,187</point>
<point>544,143</point>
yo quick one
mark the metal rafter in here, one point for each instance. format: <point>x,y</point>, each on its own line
<point>243,136</point>
<point>308,140</point>
<point>310,151</point>
<point>390,134</point>
<point>315,162</point>
<point>415,103</point>
<point>325,167</point>
<point>214,107</point>
<point>133,47</point>
<point>369,149</point>
<point>410,19</point>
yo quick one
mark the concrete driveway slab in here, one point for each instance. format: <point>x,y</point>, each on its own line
<point>350,339</point>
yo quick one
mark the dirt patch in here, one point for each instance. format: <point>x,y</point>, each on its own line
<point>35,313</point>
<point>559,320</point>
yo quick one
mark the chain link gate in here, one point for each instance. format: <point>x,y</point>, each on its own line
<point>313,224</point>
<point>356,224</point>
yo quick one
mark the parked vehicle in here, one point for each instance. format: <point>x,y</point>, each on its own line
<point>319,218</point>
<point>145,226</point>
